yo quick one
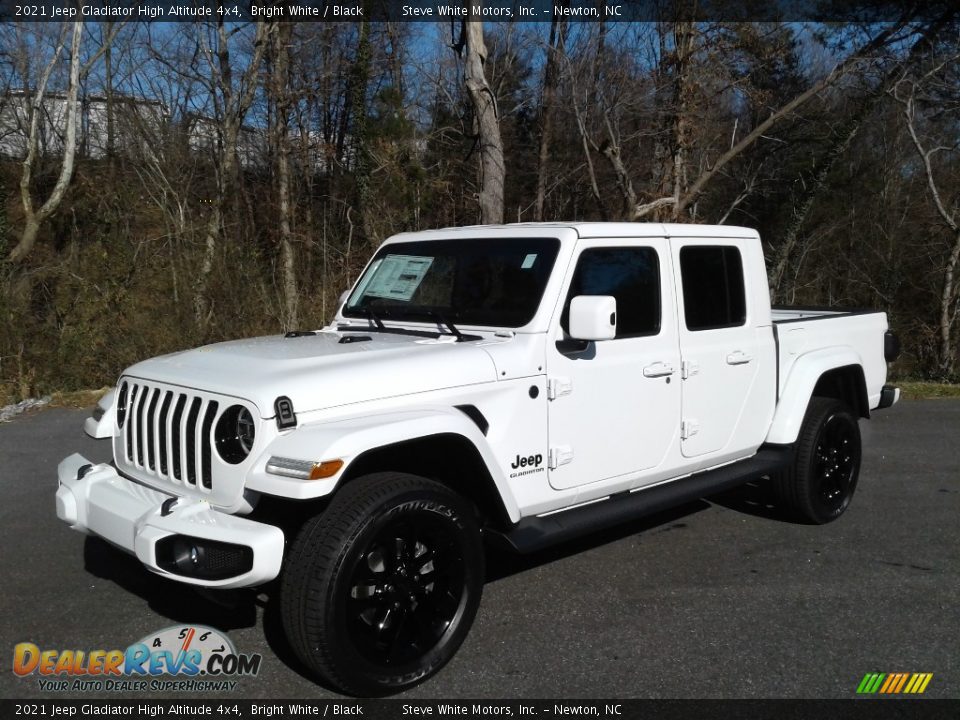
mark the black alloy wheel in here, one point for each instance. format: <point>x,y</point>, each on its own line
<point>837,461</point>
<point>380,589</point>
<point>406,589</point>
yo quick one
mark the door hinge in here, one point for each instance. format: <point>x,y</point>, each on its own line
<point>558,386</point>
<point>689,428</point>
<point>559,455</point>
<point>689,368</point>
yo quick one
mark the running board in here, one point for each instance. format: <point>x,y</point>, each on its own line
<point>535,533</point>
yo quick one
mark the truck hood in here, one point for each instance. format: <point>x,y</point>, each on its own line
<point>319,371</point>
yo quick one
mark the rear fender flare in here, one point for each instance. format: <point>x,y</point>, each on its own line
<point>801,382</point>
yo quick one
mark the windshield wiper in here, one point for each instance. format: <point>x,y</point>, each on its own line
<point>439,317</point>
<point>371,315</point>
<point>442,320</point>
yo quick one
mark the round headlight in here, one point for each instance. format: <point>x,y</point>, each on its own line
<point>122,405</point>
<point>235,434</point>
<point>246,430</point>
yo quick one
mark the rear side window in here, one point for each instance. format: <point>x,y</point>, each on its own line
<point>713,292</point>
<point>632,276</point>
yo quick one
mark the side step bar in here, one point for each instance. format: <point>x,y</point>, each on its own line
<point>535,533</point>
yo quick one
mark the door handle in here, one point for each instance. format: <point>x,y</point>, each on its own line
<point>738,358</point>
<point>658,369</point>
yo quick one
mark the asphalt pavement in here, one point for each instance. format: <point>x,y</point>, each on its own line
<point>721,598</point>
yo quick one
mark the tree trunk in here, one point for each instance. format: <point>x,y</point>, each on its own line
<point>948,311</point>
<point>359,83</point>
<point>685,37</point>
<point>487,124</point>
<point>281,92</point>
<point>33,219</point>
<point>804,203</point>
<point>234,111</point>
<point>551,76</point>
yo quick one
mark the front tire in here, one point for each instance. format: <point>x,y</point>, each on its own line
<point>380,589</point>
<point>820,484</point>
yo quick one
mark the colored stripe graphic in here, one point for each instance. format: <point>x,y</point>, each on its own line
<point>894,683</point>
<point>901,679</point>
<point>891,679</point>
<point>871,683</point>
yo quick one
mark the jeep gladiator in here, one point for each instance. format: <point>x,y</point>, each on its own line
<point>523,383</point>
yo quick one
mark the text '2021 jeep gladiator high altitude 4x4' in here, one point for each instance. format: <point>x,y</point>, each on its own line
<point>527,382</point>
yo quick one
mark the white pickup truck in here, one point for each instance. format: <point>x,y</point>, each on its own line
<point>527,383</point>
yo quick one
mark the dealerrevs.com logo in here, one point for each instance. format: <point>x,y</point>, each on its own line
<point>199,658</point>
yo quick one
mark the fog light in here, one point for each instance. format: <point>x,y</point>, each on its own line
<point>186,556</point>
<point>204,559</point>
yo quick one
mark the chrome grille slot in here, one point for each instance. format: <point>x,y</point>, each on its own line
<point>168,435</point>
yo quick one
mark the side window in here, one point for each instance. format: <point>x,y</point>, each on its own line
<point>713,293</point>
<point>632,276</point>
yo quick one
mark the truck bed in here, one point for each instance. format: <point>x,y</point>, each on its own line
<point>800,330</point>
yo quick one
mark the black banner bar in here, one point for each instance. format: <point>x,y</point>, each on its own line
<point>857,709</point>
<point>613,11</point>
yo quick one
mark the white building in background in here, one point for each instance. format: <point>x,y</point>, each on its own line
<point>135,121</point>
<point>138,123</point>
<point>203,135</point>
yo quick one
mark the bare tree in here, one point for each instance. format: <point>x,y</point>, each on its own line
<point>486,118</point>
<point>691,56</point>
<point>282,34</point>
<point>906,92</point>
<point>33,216</point>
<point>232,99</point>
<point>551,78</point>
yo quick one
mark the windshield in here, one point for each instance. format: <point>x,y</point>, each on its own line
<point>475,282</point>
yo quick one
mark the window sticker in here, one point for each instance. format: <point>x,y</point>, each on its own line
<point>528,261</point>
<point>358,293</point>
<point>397,277</point>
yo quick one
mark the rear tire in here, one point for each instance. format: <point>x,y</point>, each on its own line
<point>819,485</point>
<point>380,589</point>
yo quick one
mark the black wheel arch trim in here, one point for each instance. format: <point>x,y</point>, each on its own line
<point>450,459</point>
<point>846,383</point>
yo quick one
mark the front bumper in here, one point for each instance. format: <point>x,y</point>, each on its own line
<point>96,500</point>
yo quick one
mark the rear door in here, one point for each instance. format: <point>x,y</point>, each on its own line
<point>614,405</point>
<point>721,349</point>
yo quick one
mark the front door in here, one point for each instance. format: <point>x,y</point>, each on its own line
<point>614,405</point>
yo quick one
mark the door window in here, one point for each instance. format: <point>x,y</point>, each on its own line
<point>632,276</point>
<point>713,292</point>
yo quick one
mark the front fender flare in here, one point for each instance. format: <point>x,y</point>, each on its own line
<point>349,438</point>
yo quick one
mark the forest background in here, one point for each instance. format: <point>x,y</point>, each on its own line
<point>168,185</point>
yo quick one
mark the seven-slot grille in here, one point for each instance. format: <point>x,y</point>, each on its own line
<point>167,434</point>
